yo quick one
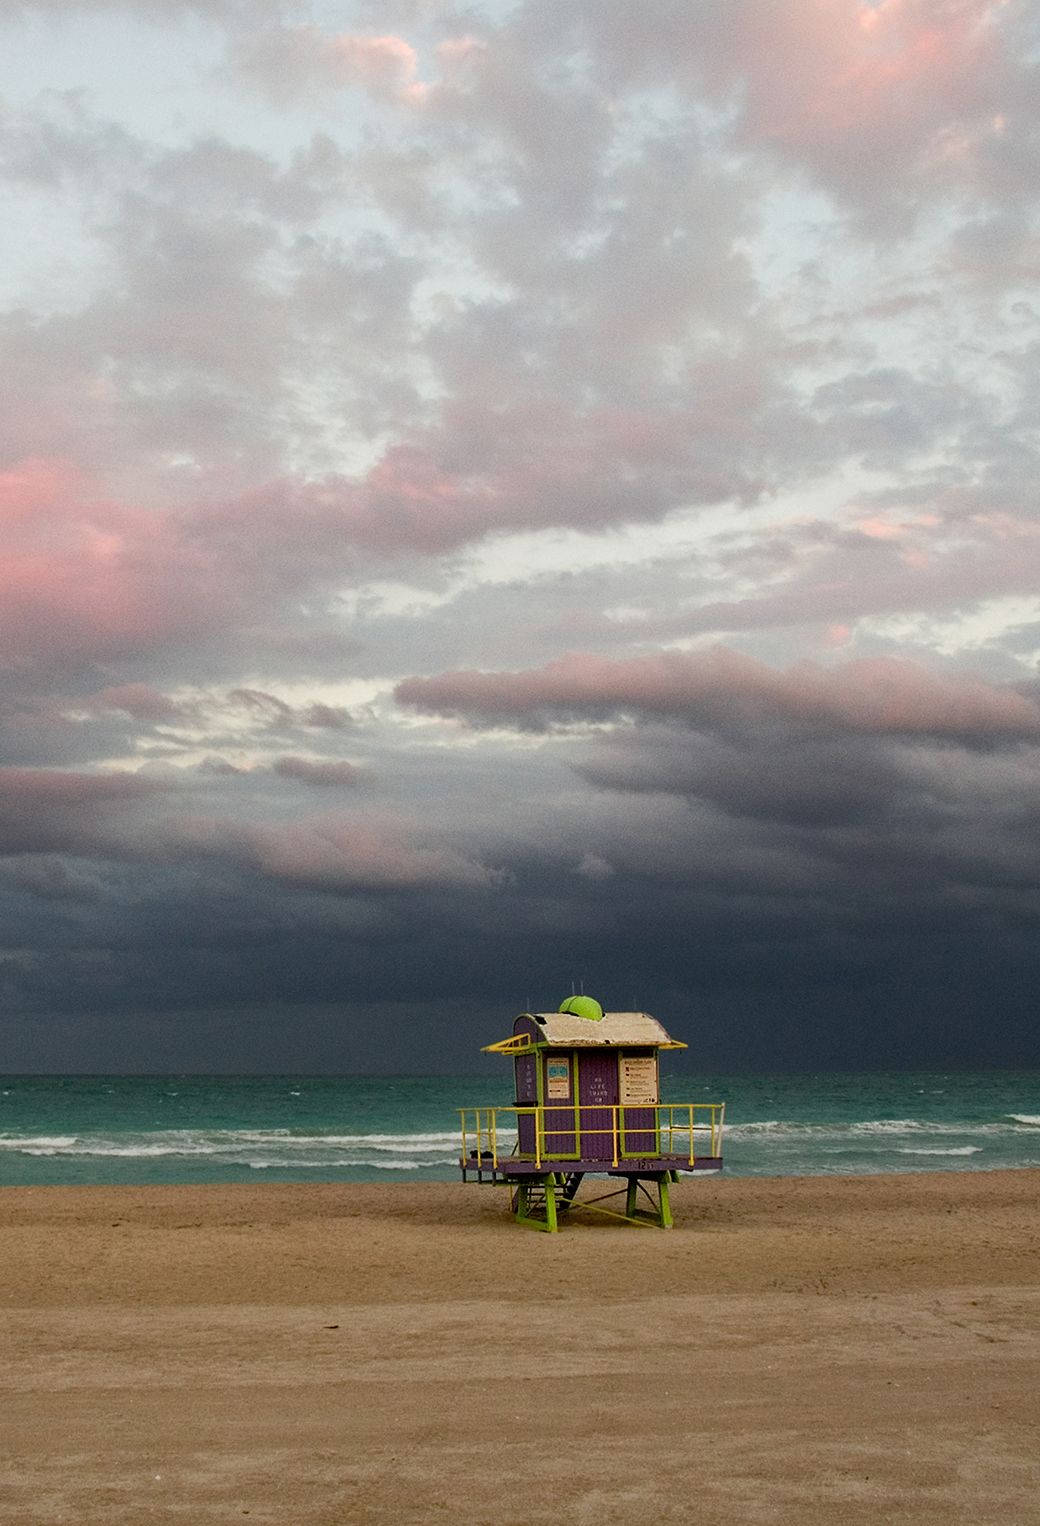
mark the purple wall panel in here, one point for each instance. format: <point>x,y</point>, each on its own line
<point>639,1133</point>
<point>526,1096</point>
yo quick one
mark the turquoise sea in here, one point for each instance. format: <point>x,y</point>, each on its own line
<point>144,1129</point>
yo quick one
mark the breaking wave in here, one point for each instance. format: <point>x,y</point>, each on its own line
<point>865,1129</point>
<point>77,1149</point>
<point>259,1149</point>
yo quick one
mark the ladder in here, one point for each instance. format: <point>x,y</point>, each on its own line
<point>537,1201</point>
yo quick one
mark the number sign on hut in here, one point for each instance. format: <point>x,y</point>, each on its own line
<point>588,1102</point>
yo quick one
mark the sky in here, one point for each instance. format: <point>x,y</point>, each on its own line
<point>496,498</point>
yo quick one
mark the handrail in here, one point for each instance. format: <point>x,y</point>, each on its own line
<point>674,1127</point>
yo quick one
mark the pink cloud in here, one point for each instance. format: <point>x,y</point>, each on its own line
<point>51,788</point>
<point>483,469</point>
<point>46,811</point>
<point>49,810</point>
<point>854,92</point>
<point>292,61</point>
<point>888,70</point>
<point>717,687</point>
<point>330,853</point>
<point>81,576</point>
<point>386,66</point>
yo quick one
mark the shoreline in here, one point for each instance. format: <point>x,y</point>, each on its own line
<point>796,1349</point>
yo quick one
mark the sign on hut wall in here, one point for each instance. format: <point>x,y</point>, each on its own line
<point>558,1080</point>
<point>638,1080</point>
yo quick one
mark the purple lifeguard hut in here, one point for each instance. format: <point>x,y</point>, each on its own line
<point>588,1102</point>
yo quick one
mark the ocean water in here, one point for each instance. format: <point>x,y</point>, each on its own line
<point>150,1129</point>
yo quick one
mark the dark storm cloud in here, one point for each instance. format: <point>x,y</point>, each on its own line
<point>172,816</point>
<point>728,922</point>
<point>49,878</point>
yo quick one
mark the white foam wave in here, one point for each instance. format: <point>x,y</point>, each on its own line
<point>915,1126</point>
<point>773,1129</point>
<point>376,1165</point>
<point>259,1147</point>
<point>390,1141</point>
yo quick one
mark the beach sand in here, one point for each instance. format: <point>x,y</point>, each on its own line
<point>796,1350</point>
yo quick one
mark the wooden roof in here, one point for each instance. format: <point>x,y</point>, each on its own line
<point>613,1029</point>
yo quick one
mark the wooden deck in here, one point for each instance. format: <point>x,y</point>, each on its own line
<point>513,1169</point>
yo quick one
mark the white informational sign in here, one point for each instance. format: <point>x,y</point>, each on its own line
<point>638,1080</point>
<point>558,1080</point>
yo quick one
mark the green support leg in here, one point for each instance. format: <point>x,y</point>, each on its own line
<point>666,1205</point>
<point>550,1204</point>
<point>631,1198</point>
<point>524,1214</point>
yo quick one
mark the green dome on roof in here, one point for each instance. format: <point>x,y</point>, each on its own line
<point>582,1006</point>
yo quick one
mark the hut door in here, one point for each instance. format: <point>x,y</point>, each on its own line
<point>598,1080</point>
<point>559,1102</point>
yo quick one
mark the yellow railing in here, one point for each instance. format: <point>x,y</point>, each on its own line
<point>690,1131</point>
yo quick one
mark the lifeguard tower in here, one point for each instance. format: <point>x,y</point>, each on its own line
<point>588,1102</point>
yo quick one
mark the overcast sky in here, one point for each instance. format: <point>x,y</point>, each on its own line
<point>497,496</point>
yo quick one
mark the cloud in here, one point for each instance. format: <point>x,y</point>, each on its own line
<point>156,11</point>
<point>720,690</point>
<point>267,708</point>
<point>49,810</point>
<point>140,701</point>
<point>326,717</point>
<point>326,773</point>
<point>275,715</point>
<point>873,101</point>
<point>330,853</point>
<point>82,577</point>
<point>49,878</point>
<point>290,61</point>
<point>592,867</point>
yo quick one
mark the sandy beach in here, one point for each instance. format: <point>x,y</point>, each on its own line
<point>802,1349</point>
